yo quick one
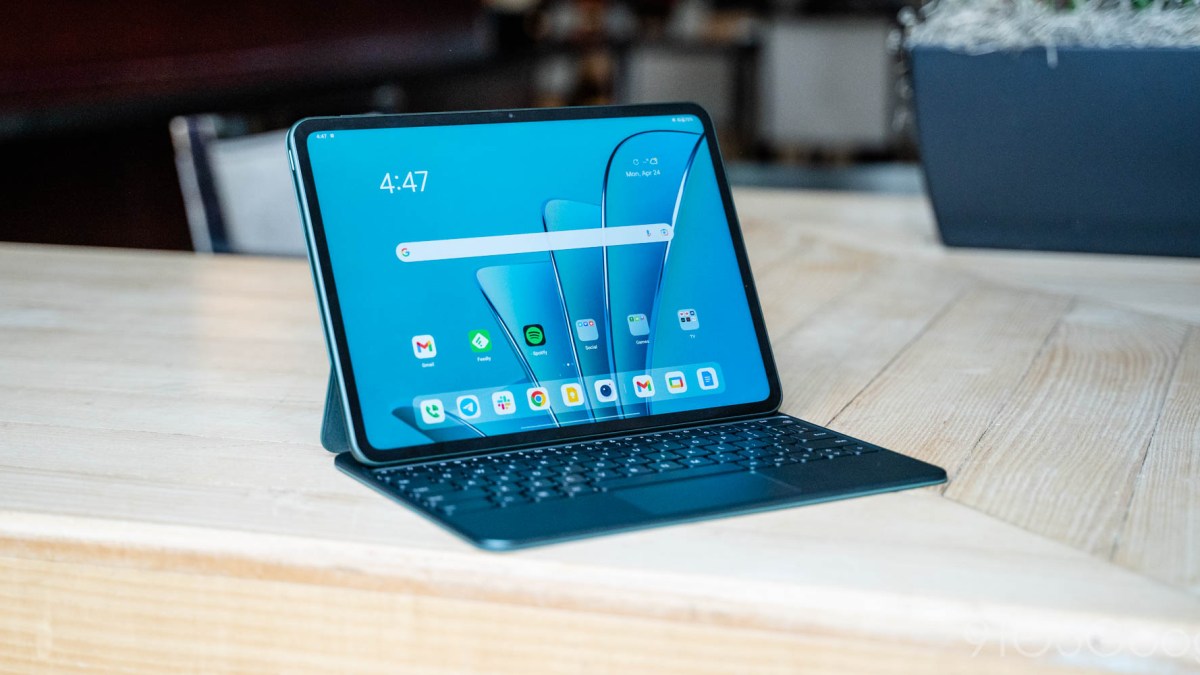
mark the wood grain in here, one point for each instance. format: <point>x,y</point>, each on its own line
<point>339,586</point>
<point>165,505</point>
<point>962,371</point>
<point>827,360</point>
<point>1062,457</point>
<point>1161,535</point>
<point>220,623</point>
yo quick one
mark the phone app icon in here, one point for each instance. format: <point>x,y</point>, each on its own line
<point>572,394</point>
<point>481,340</point>
<point>504,403</point>
<point>539,398</point>
<point>638,325</point>
<point>708,378</point>
<point>643,386</point>
<point>424,347</point>
<point>688,319</point>
<point>468,406</point>
<point>676,382</point>
<point>432,411</point>
<point>534,335</point>
<point>586,330</point>
<point>606,391</point>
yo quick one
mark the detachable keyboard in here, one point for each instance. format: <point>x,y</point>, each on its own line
<point>577,470</point>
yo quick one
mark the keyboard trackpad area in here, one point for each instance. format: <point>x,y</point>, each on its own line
<point>704,494</point>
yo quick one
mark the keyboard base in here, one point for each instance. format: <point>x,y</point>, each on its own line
<point>617,502</point>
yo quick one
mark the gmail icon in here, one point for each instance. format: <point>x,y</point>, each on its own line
<point>643,386</point>
<point>424,347</point>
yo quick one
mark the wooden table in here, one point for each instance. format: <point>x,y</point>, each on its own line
<point>165,504</point>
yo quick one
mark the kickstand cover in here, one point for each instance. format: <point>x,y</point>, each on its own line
<point>334,434</point>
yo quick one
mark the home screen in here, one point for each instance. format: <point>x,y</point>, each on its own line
<point>502,278</point>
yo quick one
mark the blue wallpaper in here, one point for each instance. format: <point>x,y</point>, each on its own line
<point>533,340</point>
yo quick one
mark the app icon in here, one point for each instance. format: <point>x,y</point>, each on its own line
<point>481,340</point>
<point>676,382</point>
<point>606,391</point>
<point>504,403</point>
<point>638,325</point>
<point>572,394</point>
<point>688,319</point>
<point>431,411</point>
<point>586,329</point>
<point>424,347</point>
<point>643,386</point>
<point>404,252</point>
<point>708,378</point>
<point>539,398</point>
<point>534,335</point>
<point>468,406</point>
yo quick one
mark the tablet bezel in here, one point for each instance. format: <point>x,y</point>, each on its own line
<point>332,317</point>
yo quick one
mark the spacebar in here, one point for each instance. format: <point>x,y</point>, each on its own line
<point>649,478</point>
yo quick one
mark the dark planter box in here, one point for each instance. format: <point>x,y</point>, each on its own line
<point>1100,153</point>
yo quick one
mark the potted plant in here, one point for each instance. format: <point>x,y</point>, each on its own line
<point>1071,127</point>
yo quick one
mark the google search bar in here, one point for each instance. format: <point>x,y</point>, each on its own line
<point>534,242</point>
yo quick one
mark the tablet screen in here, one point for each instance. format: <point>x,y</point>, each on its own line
<point>501,278</point>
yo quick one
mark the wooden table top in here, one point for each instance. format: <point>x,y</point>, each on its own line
<point>165,503</point>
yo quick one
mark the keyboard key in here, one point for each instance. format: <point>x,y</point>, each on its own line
<point>546,495</point>
<point>454,508</point>
<point>827,443</point>
<point>651,478</point>
<point>465,496</point>
<point>666,466</point>
<point>427,490</point>
<point>510,500</point>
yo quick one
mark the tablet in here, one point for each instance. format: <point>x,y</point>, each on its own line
<point>513,278</point>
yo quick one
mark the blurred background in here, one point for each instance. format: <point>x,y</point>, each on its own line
<point>151,124</point>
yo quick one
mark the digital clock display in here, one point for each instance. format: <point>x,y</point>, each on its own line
<point>414,181</point>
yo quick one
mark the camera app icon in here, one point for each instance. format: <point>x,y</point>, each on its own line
<point>606,391</point>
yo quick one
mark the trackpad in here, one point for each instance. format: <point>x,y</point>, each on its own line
<point>704,494</point>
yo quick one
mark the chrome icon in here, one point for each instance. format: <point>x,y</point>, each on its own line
<point>539,398</point>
